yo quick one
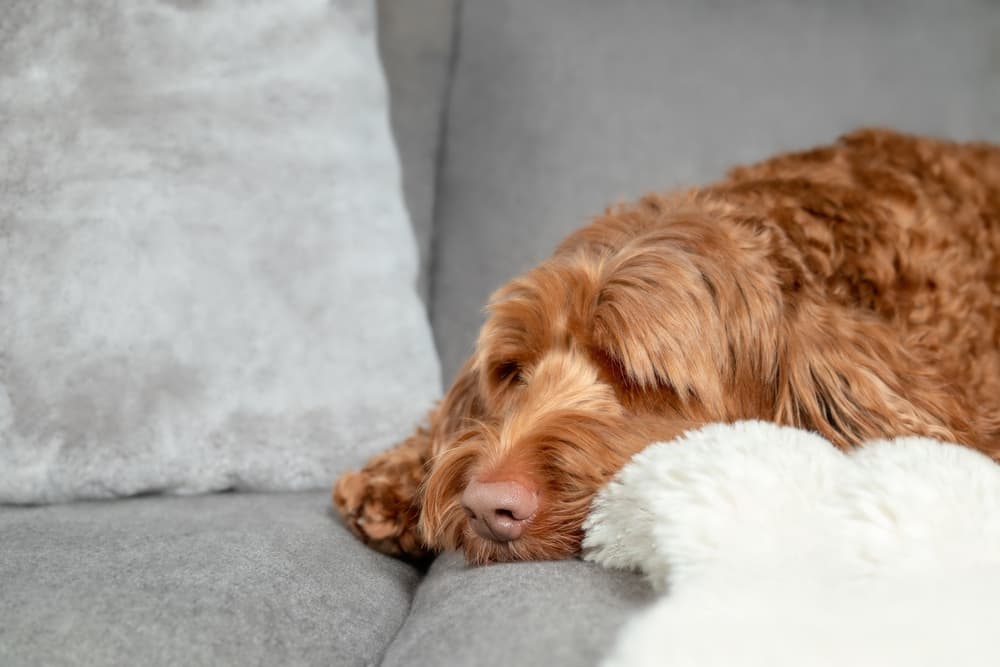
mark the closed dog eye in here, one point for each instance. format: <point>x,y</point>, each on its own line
<point>508,371</point>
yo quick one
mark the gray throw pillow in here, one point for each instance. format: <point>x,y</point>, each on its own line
<point>206,270</point>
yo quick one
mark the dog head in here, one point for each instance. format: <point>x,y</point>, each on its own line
<point>649,322</point>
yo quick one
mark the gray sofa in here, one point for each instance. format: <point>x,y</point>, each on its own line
<point>515,120</point>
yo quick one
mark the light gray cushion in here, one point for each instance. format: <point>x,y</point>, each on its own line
<point>232,579</point>
<point>415,41</point>
<point>549,613</point>
<point>562,107</point>
<point>207,275</point>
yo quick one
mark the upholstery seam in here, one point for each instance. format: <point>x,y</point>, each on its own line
<point>440,158</point>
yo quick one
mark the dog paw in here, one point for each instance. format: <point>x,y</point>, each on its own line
<point>378,504</point>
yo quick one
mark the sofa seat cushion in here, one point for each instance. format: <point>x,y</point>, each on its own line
<point>227,579</point>
<point>564,613</point>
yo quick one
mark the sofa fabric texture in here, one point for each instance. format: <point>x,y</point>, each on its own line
<point>544,614</point>
<point>415,43</point>
<point>231,579</point>
<point>560,108</point>
<point>195,196</point>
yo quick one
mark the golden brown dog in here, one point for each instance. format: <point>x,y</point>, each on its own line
<point>853,290</point>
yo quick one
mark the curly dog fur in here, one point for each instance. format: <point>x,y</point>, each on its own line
<point>852,289</point>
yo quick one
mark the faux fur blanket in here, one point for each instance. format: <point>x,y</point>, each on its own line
<point>771,547</point>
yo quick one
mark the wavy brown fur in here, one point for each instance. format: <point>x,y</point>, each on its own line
<point>853,290</point>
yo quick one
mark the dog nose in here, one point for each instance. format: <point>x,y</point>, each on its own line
<point>498,510</point>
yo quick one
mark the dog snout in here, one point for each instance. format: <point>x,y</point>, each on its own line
<point>499,510</point>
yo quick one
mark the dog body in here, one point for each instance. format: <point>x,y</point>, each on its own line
<point>853,290</point>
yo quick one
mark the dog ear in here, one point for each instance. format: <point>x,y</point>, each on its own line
<point>679,310</point>
<point>440,517</point>
<point>845,375</point>
<point>461,405</point>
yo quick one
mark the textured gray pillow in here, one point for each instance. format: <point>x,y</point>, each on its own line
<point>206,271</point>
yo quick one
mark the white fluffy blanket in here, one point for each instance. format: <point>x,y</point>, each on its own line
<point>770,547</point>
